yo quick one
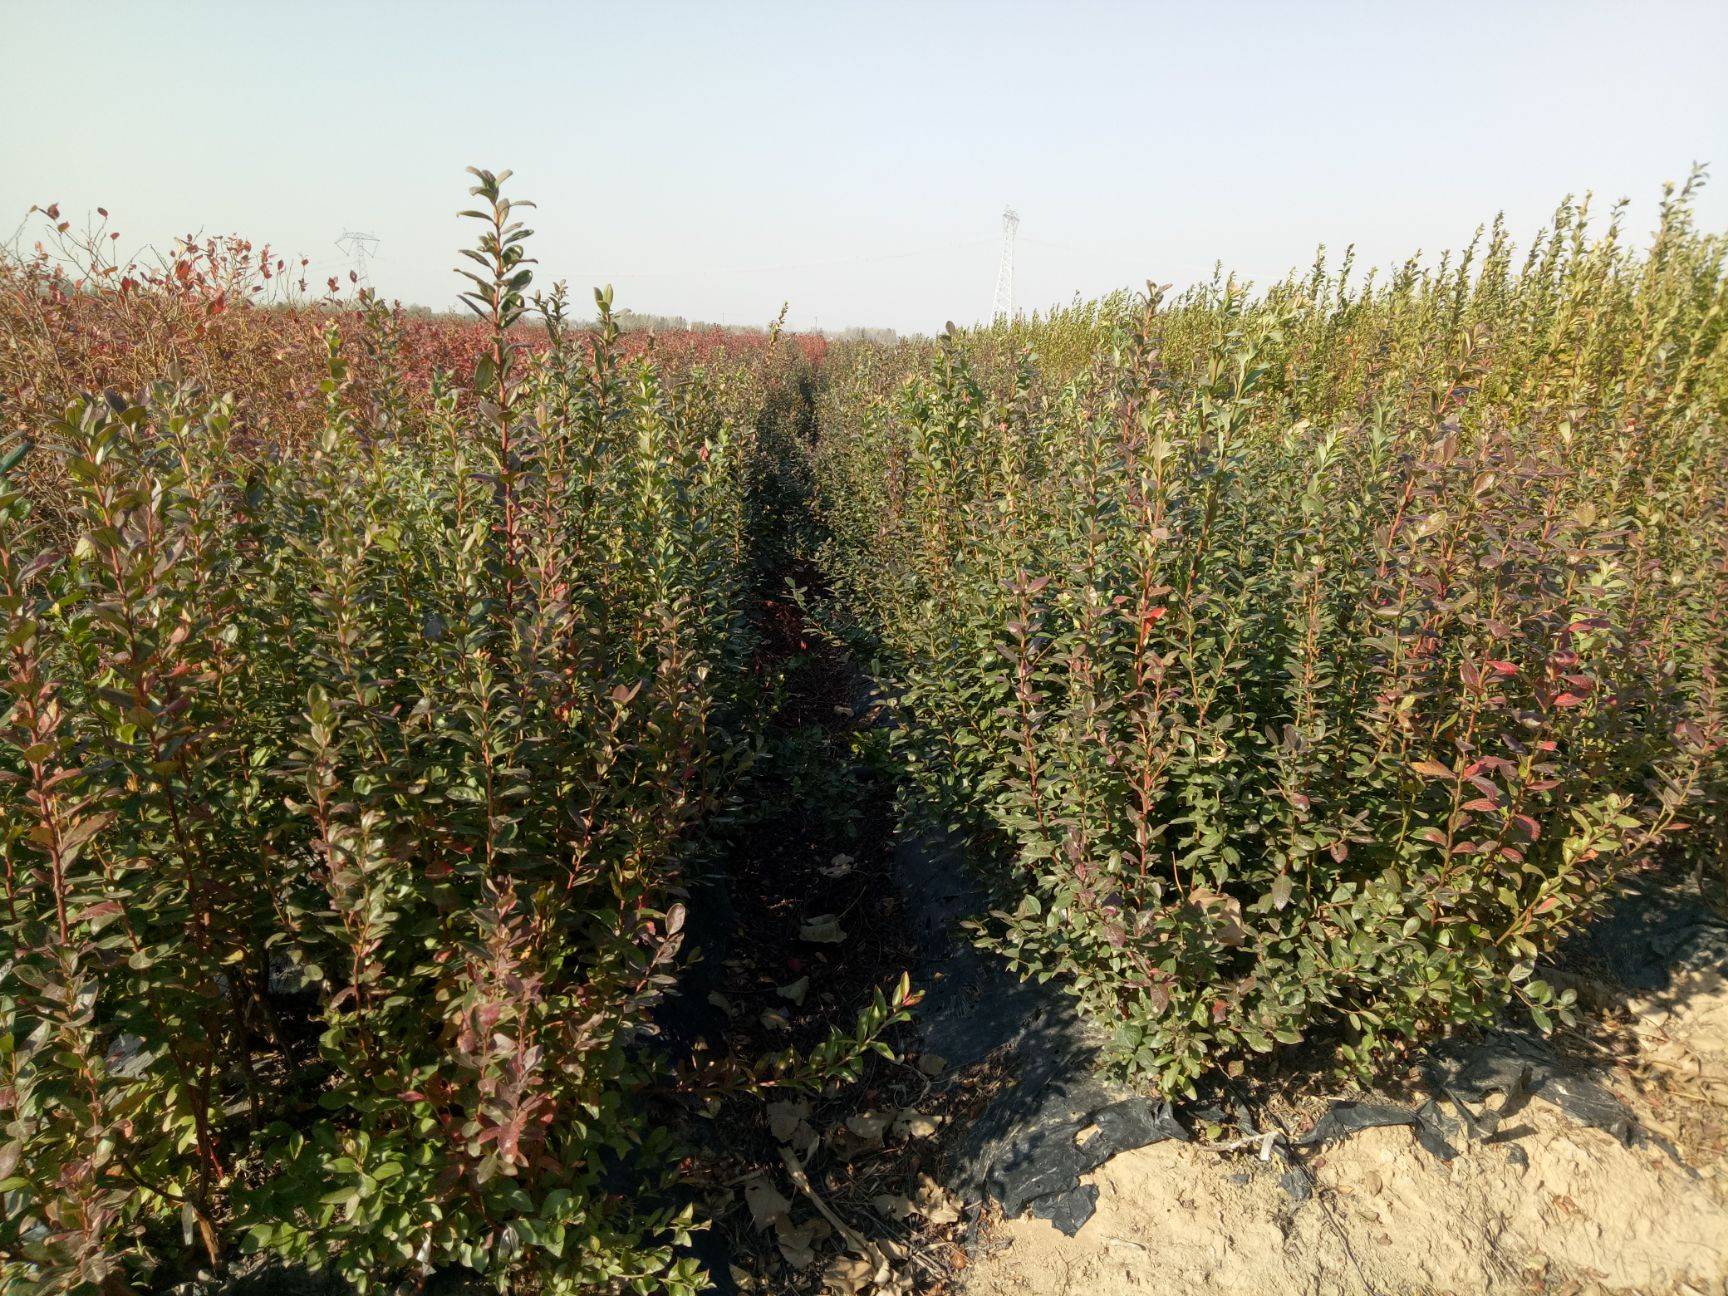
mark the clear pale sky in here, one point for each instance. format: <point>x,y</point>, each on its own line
<point>713,159</point>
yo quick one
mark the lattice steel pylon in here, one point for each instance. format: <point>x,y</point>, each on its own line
<point>359,246</point>
<point>1003,308</point>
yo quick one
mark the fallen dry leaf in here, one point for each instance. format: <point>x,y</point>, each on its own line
<point>765,1201</point>
<point>932,1064</point>
<point>824,929</point>
<point>784,1118</point>
<point>869,1125</point>
<point>797,1242</point>
<point>913,1124</point>
<point>935,1203</point>
<point>849,1275</point>
<point>893,1205</point>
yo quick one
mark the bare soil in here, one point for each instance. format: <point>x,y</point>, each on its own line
<point>1558,1208</point>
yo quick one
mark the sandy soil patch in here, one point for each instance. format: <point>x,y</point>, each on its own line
<point>1558,1209</point>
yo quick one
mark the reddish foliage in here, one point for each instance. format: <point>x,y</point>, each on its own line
<point>228,312</point>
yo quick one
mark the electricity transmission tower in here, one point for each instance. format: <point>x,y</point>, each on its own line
<point>1004,305</point>
<point>359,247</point>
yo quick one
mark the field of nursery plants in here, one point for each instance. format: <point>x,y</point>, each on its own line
<point>1221,790</point>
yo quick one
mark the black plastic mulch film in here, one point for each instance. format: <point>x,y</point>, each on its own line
<point>1056,1121</point>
